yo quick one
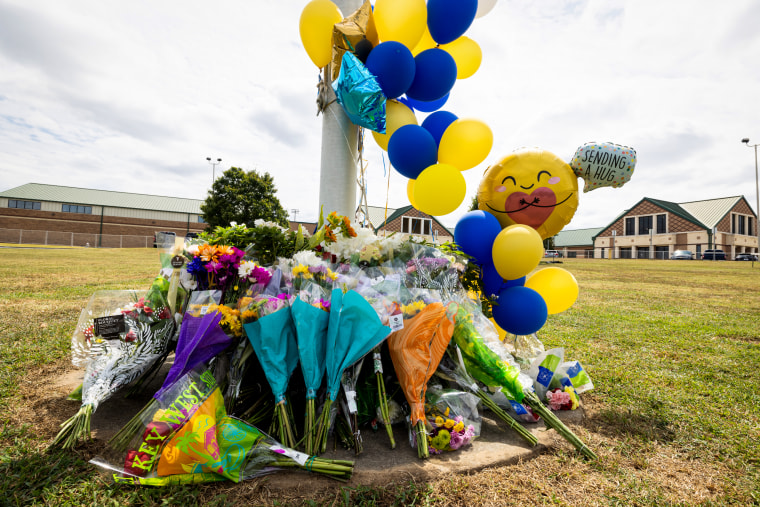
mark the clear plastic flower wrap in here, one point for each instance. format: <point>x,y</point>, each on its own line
<point>453,419</point>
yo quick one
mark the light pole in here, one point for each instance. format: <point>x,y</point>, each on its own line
<point>213,171</point>
<point>757,193</point>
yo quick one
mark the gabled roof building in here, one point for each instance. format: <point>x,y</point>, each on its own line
<point>654,229</point>
<point>59,215</point>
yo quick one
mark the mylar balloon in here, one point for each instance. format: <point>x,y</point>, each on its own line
<point>439,189</point>
<point>465,143</point>
<point>484,7</point>
<point>437,123</point>
<point>400,20</point>
<point>449,19</point>
<point>466,54</point>
<point>412,149</point>
<point>360,95</point>
<point>396,115</point>
<point>393,65</point>
<point>474,234</point>
<point>604,165</point>
<point>428,107</point>
<point>531,187</point>
<point>435,75</point>
<point>519,310</point>
<point>557,286</point>
<point>516,251</point>
<point>316,28</point>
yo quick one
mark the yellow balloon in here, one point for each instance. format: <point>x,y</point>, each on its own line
<point>396,115</point>
<point>410,193</point>
<point>502,333</point>
<point>401,20</point>
<point>557,286</point>
<point>516,251</point>
<point>439,189</point>
<point>426,42</point>
<point>466,54</point>
<point>316,28</point>
<point>465,143</point>
<point>531,187</point>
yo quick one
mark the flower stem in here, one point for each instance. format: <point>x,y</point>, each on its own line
<point>74,428</point>
<point>422,443</point>
<point>324,426</point>
<point>120,441</point>
<point>505,417</point>
<point>553,422</point>
<point>384,410</point>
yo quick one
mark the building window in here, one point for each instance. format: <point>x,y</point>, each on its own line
<point>645,223</point>
<point>411,225</point>
<point>740,219</point>
<point>200,220</point>
<point>733,223</point>
<point>73,208</point>
<point>13,203</point>
<point>750,228</point>
<point>662,224</point>
<point>630,226</point>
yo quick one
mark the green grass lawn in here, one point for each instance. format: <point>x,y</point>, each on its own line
<point>673,349</point>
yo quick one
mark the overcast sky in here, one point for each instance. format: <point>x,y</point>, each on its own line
<point>133,96</point>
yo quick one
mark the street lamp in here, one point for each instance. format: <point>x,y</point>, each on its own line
<point>213,165</point>
<point>757,193</point>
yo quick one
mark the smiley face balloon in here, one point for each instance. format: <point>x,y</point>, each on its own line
<point>530,187</point>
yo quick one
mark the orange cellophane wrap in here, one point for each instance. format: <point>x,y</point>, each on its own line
<point>416,351</point>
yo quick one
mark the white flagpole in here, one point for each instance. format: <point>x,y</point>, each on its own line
<point>337,180</point>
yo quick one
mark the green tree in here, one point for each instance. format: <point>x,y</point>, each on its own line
<point>242,197</point>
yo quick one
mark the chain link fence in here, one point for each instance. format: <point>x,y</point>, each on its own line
<point>58,238</point>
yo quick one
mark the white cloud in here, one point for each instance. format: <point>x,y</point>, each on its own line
<point>134,96</point>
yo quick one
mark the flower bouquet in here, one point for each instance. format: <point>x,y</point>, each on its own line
<point>485,365</point>
<point>124,344</point>
<point>269,326</point>
<point>310,312</point>
<point>200,339</point>
<point>353,330</point>
<point>416,350</point>
<point>191,439</point>
<point>452,418</point>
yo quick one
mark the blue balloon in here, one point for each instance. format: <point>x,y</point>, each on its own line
<point>428,107</point>
<point>437,123</point>
<point>474,234</point>
<point>411,149</point>
<point>493,283</point>
<point>434,76</point>
<point>448,19</point>
<point>520,310</point>
<point>393,65</point>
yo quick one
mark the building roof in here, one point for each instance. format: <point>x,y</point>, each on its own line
<point>704,214</point>
<point>576,237</point>
<point>711,212</point>
<point>90,197</point>
<point>377,215</point>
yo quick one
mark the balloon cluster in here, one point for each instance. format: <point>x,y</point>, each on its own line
<point>412,53</point>
<point>522,301</point>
